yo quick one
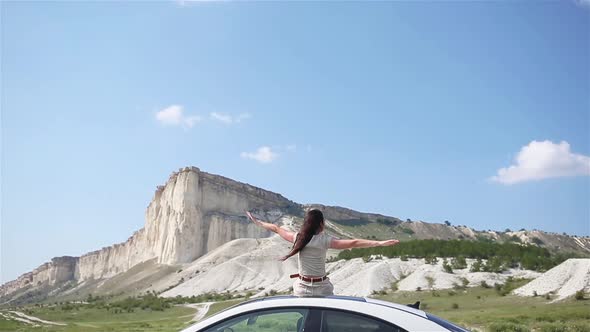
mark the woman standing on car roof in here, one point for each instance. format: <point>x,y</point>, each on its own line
<point>312,243</point>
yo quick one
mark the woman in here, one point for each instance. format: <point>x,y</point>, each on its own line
<point>311,244</point>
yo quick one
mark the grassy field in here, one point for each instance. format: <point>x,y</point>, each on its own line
<point>92,319</point>
<point>482,309</point>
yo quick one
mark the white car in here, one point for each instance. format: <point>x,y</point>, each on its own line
<point>322,314</point>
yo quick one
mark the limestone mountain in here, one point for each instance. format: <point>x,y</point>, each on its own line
<point>195,212</point>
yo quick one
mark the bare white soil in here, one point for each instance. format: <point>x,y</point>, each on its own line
<point>252,265</point>
<point>563,280</point>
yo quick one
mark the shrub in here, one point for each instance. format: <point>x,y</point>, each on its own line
<point>430,281</point>
<point>579,295</point>
<point>430,260</point>
<point>476,267</point>
<point>407,231</point>
<point>465,282</point>
<point>455,306</point>
<point>484,284</point>
<point>507,327</point>
<point>458,263</point>
<point>447,267</point>
<point>553,327</point>
<point>514,238</point>
<point>579,328</point>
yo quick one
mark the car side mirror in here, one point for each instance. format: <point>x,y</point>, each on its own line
<point>415,305</point>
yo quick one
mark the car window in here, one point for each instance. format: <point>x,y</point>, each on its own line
<point>283,320</point>
<point>342,321</point>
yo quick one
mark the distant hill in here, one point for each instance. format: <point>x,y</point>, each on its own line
<point>194,213</point>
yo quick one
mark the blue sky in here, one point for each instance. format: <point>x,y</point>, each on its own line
<point>472,112</point>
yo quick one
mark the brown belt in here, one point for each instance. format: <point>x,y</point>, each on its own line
<point>296,275</point>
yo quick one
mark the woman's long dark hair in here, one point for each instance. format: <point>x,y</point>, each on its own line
<point>314,220</point>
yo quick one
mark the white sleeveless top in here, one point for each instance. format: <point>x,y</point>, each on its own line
<point>312,259</point>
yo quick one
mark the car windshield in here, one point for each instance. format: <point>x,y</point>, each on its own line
<point>446,324</point>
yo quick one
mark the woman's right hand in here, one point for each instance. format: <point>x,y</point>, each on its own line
<point>265,225</point>
<point>388,243</point>
<point>251,217</point>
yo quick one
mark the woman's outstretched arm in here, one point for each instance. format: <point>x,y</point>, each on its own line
<point>360,243</point>
<point>285,234</point>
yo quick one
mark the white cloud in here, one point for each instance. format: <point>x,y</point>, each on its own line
<point>291,147</point>
<point>173,115</point>
<point>543,160</point>
<point>263,154</point>
<point>229,119</point>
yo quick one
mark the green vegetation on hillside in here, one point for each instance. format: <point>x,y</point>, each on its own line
<point>488,309</point>
<point>499,256</point>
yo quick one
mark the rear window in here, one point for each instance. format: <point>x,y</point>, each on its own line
<point>446,324</point>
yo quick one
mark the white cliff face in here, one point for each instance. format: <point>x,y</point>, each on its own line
<point>194,212</point>
<point>115,259</point>
<point>223,229</point>
<point>59,270</point>
<point>173,220</point>
<point>190,215</point>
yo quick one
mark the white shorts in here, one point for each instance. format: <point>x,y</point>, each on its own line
<point>304,288</point>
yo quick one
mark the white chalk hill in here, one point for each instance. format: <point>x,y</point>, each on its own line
<point>252,265</point>
<point>563,280</point>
